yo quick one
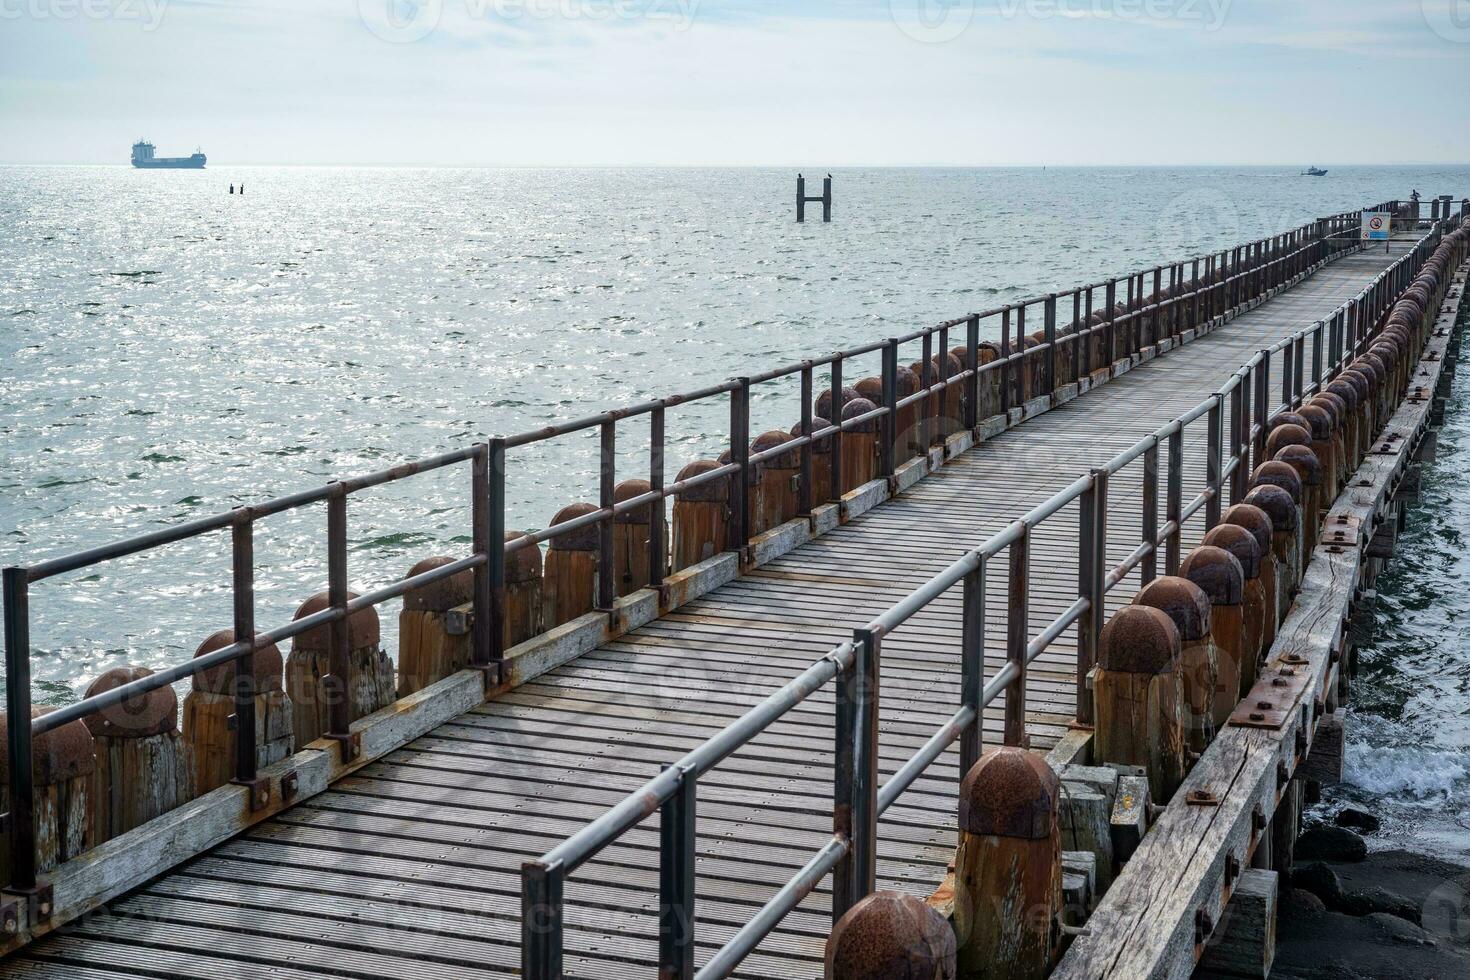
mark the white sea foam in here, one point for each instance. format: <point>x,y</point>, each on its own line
<point>1388,758</point>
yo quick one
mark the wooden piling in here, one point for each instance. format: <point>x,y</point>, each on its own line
<point>569,585</point>
<point>776,488</point>
<point>524,605</point>
<point>859,446</point>
<point>631,530</point>
<point>1254,608</point>
<point>143,768</point>
<point>821,460</point>
<point>989,383</point>
<point>890,936</point>
<point>908,437</point>
<point>701,517</point>
<point>1309,471</point>
<point>369,677</point>
<point>1008,867</point>
<point>1341,452</point>
<point>1244,943</point>
<point>1138,691</point>
<point>1188,606</point>
<point>209,715</point>
<point>1217,572</point>
<point>63,765</point>
<point>427,651</point>
<point>1285,536</point>
<point>1319,419</point>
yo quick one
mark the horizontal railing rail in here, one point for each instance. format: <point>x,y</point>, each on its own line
<point>1138,310</point>
<point>853,666</point>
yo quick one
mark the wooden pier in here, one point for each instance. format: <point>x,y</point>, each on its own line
<point>411,841</point>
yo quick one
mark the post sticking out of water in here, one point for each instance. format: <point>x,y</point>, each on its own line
<point>802,199</point>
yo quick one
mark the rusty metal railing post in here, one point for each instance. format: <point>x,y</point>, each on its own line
<point>1085,335</point>
<point>657,527</point>
<point>1110,297</point>
<point>542,903</point>
<point>929,405</point>
<point>1148,569</point>
<point>1262,392</point>
<point>972,383</point>
<point>339,653</point>
<point>972,667</point>
<point>1288,372</point>
<point>1017,629</point>
<point>804,492</point>
<point>1214,466</point>
<point>491,593</point>
<point>1091,585</point>
<point>837,400</point>
<point>855,790</point>
<point>1317,333</point>
<point>1007,372</point>
<point>1049,311</point>
<point>740,454</point>
<point>607,471</point>
<point>1240,423</point>
<point>676,834</point>
<point>888,450</point>
<point>1174,504</point>
<point>242,686</point>
<point>22,787</point>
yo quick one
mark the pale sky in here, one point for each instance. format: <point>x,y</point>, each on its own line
<point>713,82</point>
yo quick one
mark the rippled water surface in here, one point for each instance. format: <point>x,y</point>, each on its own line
<point>168,350</point>
<point>1408,752</point>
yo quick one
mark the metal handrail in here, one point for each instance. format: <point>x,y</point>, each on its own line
<point>671,793</point>
<point>1252,269</point>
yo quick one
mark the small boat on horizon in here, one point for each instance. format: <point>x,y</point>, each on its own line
<point>1314,172</point>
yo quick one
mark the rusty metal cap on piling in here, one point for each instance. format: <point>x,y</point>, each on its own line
<point>154,713</point>
<point>871,389</point>
<point>1301,458</point>
<point>823,406</point>
<point>1285,418</point>
<point>362,626</point>
<point>60,754</point>
<point>1272,473</point>
<point>856,407</point>
<point>819,422</point>
<point>1217,572</point>
<point>1277,504</point>
<point>1240,543</point>
<point>908,382</point>
<point>1347,392</point>
<point>962,354</point>
<point>770,440</point>
<point>1288,435</point>
<point>1139,640</point>
<point>1334,403</point>
<point>523,565</point>
<point>584,538</point>
<point>891,936</point>
<point>711,491</point>
<point>1319,421</point>
<point>1182,601</point>
<point>988,351</point>
<point>627,490</point>
<point>221,679</point>
<point>440,596</point>
<point>1360,382</point>
<point>1010,792</point>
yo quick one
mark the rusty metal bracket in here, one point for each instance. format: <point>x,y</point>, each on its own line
<point>1201,797</point>
<point>260,792</point>
<point>351,745</point>
<point>1274,697</point>
<point>21,910</point>
<point>1343,531</point>
<point>11,909</point>
<point>290,786</point>
<point>493,674</point>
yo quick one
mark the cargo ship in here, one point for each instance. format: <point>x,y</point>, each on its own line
<point>143,158</point>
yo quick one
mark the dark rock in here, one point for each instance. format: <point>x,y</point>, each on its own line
<point>1397,929</point>
<point>1318,879</point>
<point>1355,819</point>
<point>1300,901</point>
<point>1381,900</point>
<point>1330,844</point>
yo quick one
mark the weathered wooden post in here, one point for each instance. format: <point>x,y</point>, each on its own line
<point>1188,606</point>
<point>1319,419</point>
<point>777,483</point>
<point>569,586</point>
<point>427,651</point>
<point>63,764</point>
<point>859,445</point>
<point>989,384</point>
<point>1337,408</point>
<point>524,605</point>
<point>1353,430</point>
<point>1008,867</point>
<point>890,936</point>
<point>1309,471</point>
<point>1254,609</point>
<point>1139,694</point>
<point>821,460</point>
<point>701,516</point>
<point>143,766</point>
<point>1216,571</point>
<point>631,531</point>
<point>369,681</point>
<point>209,715</point>
<point>1274,497</point>
<point>908,437</point>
